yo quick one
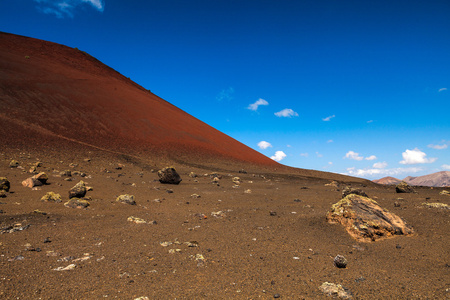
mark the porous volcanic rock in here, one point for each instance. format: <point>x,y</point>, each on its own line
<point>349,190</point>
<point>365,220</point>
<point>78,191</point>
<point>36,180</point>
<point>51,197</point>
<point>127,199</point>
<point>403,187</point>
<point>335,290</point>
<point>169,175</point>
<point>5,185</point>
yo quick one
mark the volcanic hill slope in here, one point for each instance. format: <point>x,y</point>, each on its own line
<point>213,236</point>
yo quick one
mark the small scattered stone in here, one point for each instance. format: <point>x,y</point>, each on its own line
<point>335,290</point>
<point>193,175</point>
<point>276,296</point>
<point>297,200</point>
<point>169,191</point>
<point>78,191</point>
<point>195,196</point>
<point>273,213</point>
<point>169,176</point>
<point>13,164</point>
<point>349,190</point>
<point>126,199</point>
<point>436,205</point>
<point>248,191</point>
<point>51,197</point>
<point>66,173</point>
<point>444,192</point>
<point>242,171</point>
<point>40,212</point>
<point>403,187</point>
<point>340,261</point>
<point>334,183</point>
<point>136,220</point>
<point>236,180</point>
<point>3,194</point>
<point>77,203</point>
<point>396,204</point>
<point>68,268</point>
<point>47,240</point>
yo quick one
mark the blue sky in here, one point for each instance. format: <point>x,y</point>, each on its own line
<point>354,87</point>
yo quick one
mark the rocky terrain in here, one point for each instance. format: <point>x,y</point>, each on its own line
<point>179,210</point>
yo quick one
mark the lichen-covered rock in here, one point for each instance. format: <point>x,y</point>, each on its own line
<point>169,175</point>
<point>136,220</point>
<point>5,185</point>
<point>78,191</point>
<point>334,183</point>
<point>436,205</point>
<point>403,187</point>
<point>236,180</point>
<point>335,290</point>
<point>365,220</point>
<point>127,199</point>
<point>13,164</point>
<point>349,190</point>
<point>51,197</point>
<point>77,203</point>
<point>444,192</point>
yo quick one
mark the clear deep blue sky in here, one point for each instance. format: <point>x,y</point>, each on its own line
<point>355,87</point>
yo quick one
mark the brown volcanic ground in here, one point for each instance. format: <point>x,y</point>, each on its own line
<point>61,107</point>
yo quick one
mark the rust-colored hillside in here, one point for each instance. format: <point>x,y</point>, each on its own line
<point>51,89</point>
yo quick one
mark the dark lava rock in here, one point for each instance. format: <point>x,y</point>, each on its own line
<point>169,175</point>
<point>349,190</point>
<point>403,187</point>
<point>340,261</point>
<point>78,191</point>
<point>5,185</point>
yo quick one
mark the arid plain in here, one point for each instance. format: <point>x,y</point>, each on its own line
<point>212,236</point>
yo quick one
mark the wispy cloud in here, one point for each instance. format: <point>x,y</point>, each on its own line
<point>225,95</point>
<point>329,141</point>
<point>381,172</point>
<point>353,155</point>
<point>372,157</point>
<point>287,113</point>
<point>279,155</point>
<point>254,106</point>
<point>328,118</point>
<point>318,154</point>
<point>264,145</point>
<point>415,156</point>
<point>63,8</point>
<point>442,89</point>
<point>380,165</point>
<point>370,121</point>
<point>438,147</point>
<point>445,167</point>
<point>304,154</point>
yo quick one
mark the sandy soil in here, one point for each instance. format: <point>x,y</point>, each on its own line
<point>248,252</point>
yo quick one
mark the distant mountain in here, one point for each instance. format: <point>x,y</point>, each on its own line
<point>387,180</point>
<point>439,179</point>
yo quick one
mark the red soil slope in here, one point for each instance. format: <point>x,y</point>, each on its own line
<point>61,92</point>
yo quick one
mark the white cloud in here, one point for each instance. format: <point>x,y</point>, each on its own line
<point>443,89</point>
<point>445,167</point>
<point>353,155</point>
<point>330,163</point>
<point>254,106</point>
<point>225,95</point>
<point>304,154</point>
<point>287,112</point>
<point>279,155</point>
<point>415,156</point>
<point>328,118</point>
<point>370,121</point>
<point>438,147</point>
<point>264,145</point>
<point>62,8</point>
<point>329,141</point>
<point>372,157</point>
<point>380,165</point>
<point>318,154</point>
<point>380,172</point>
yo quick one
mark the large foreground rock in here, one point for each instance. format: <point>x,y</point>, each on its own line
<point>169,175</point>
<point>365,220</point>
<point>78,191</point>
<point>36,180</point>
